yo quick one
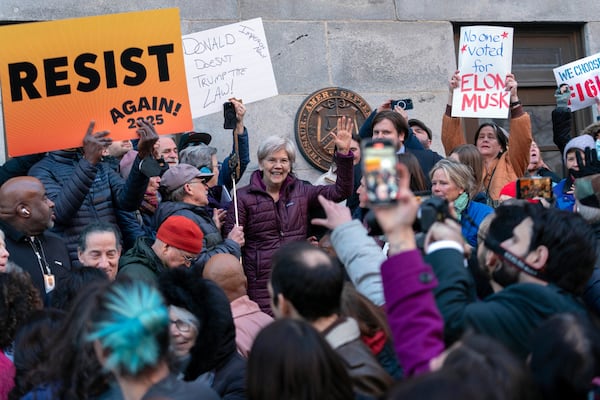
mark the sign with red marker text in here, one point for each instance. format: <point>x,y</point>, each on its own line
<point>583,78</point>
<point>225,62</point>
<point>57,76</point>
<point>484,60</point>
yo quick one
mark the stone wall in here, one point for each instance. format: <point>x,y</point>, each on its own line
<point>378,48</point>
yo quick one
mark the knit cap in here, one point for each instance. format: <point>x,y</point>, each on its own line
<point>581,143</point>
<point>182,233</point>
<point>510,189</point>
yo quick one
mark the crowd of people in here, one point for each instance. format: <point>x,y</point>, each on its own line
<point>135,270</point>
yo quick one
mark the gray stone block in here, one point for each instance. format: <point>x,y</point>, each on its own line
<point>318,9</point>
<point>592,37</point>
<point>299,55</point>
<point>32,10</point>
<point>491,10</point>
<point>391,56</point>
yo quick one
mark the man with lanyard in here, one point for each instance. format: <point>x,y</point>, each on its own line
<point>25,216</point>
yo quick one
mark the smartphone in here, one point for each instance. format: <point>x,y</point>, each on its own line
<point>379,170</point>
<point>229,116</point>
<point>534,187</point>
<point>405,104</point>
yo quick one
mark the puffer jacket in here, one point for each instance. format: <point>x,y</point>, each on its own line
<point>85,193</point>
<point>213,242</point>
<point>268,224</point>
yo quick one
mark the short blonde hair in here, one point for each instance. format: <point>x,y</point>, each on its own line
<point>460,174</point>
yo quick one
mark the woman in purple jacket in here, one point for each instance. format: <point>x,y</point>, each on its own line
<point>273,208</point>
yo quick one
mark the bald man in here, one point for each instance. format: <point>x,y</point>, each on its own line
<point>227,272</point>
<point>25,215</point>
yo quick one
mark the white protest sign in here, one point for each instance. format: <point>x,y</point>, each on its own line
<point>225,62</point>
<point>583,78</point>
<point>484,59</point>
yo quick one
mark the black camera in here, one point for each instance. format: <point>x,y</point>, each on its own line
<point>432,210</point>
<point>229,115</point>
<point>405,104</point>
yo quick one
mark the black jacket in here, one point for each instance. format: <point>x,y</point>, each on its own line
<point>215,350</point>
<point>22,253</point>
<point>141,262</point>
<point>85,193</point>
<point>212,243</point>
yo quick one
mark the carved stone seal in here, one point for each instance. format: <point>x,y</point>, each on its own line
<point>317,118</point>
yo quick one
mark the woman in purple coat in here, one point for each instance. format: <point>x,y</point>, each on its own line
<point>273,208</point>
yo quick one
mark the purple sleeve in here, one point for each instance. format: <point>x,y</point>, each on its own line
<point>416,323</point>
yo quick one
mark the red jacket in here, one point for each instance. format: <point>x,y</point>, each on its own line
<point>268,224</point>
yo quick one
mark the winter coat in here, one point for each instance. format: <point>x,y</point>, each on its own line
<point>368,376</point>
<point>564,200</point>
<point>83,193</point>
<point>416,324</point>
<point>512,164</point>
<point>7,375</point>
<point>22,253</point>
<point>269,224</point>
<point>173,389</point>
<point>215,350</point>
<point>141,262</point>
<point>591,294</point>
<point>562,122</point>
<point>225,173</point>
<point>471,219</point>
<point>361,256</point>
<point>510,315</point>
<point>213,243</point>
<point>249,320</point>
<point>18,166</point>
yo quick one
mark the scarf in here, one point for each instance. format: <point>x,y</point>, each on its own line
<point>460,204</point>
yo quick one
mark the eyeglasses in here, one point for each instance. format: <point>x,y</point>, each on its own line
<point>198,180</point>
<point>182,326</point>
<point>188,260</point>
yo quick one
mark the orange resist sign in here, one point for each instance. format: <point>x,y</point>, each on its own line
<point>58,76</point>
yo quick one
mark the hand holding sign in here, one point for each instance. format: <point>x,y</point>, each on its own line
<point>583,79</point>
<point>484,60</point>
<point>148,137</point>
<point>94,144</point>
<point>454,82</point>
<point>511,86</point>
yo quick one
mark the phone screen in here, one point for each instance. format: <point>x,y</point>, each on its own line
<point>534,187</point>
<point>379,171</point>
